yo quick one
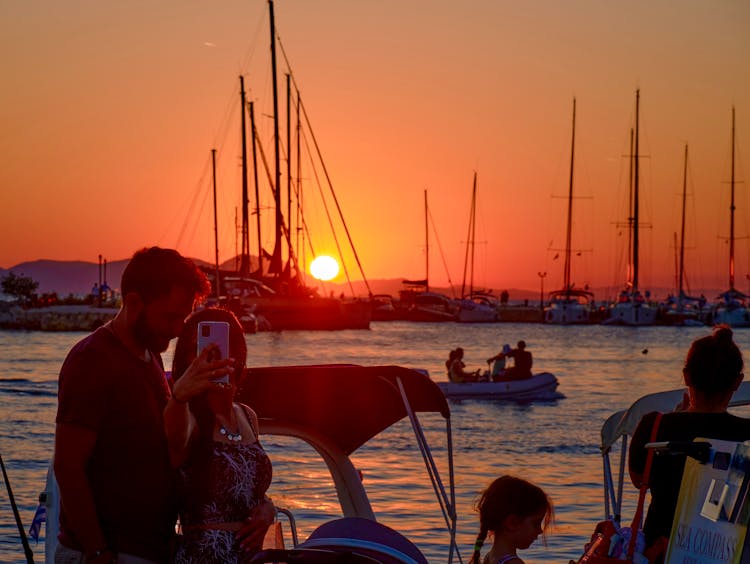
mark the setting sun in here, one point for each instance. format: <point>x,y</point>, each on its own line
<point>324,268</point>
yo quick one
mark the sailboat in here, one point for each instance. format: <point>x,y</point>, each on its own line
<point>732,309</point>
<point>682,310</point>
<point>632,307</point>
<point>474,306</point>
<point>276,291</point>
<point>417,301</point>
<point>569,305</point>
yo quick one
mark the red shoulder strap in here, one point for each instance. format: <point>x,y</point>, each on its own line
<point>650,455</point>
<point>638,517</point>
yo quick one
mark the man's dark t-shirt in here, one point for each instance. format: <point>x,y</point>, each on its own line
<point>523,361</point>
<point>666,470</point>
<point>107,389</point>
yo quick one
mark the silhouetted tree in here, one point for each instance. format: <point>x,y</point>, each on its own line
<point>23,288</point>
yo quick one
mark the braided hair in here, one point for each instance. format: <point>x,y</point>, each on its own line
<point>505,496</point>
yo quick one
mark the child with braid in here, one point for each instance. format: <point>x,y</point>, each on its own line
<point>516,512</point>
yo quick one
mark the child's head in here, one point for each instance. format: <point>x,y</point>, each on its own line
<point>510,504</point>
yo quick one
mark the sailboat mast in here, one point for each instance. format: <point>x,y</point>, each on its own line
<point>216,225</point>
<point>298,190</point>
<point>731,216</point>
<point>277,170</point>
<point>682,228</point>
<point>289,153</point>
<point>630,212</point>
<point>426,244</point>
<point>245,258</point>
<point>257,190</point>
<point>473,231</point>
<point>677,283</point>
<point>568,235</point>
<point>636,212</point>
<point>468,239</point>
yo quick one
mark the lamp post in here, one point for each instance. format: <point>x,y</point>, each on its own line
<point>99,296</point>
<point>542,276</point>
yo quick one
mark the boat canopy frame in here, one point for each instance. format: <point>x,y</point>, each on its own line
<point>337,408</point>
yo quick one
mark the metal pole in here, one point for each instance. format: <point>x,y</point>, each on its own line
<point>216,228</point>
<point>99,296</point>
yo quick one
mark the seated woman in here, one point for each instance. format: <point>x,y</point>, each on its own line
<point>223,470</point>
<point>712,372</point>
<point>456,372</point>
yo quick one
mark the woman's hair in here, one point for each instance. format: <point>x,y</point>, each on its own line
<point>187,341</point>
<point>507,496</point>
<point>714,362</point>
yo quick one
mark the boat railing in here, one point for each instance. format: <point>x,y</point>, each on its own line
<point>292,523</point>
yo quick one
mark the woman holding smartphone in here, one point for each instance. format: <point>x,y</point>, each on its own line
<point>223,470</point>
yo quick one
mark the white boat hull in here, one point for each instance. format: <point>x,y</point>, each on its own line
<point>738,316</point>
<point>567,314</point>
<point>542,385</point>
<point>476,313</point>
<point>631,314</point>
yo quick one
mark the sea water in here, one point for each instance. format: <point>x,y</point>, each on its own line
<point>555,444</point>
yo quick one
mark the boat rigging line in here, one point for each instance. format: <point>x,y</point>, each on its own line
<point>330,219</point>
<point>442,254</point>
<point>325,168</point>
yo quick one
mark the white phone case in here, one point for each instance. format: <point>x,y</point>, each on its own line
<point>214,332</point>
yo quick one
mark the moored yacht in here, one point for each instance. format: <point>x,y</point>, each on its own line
<point>633,307</point>
<point>682,309</point>
<point>570,305</point>
<point>732,310</point>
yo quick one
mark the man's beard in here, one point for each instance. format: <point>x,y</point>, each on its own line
<point>146,338</point>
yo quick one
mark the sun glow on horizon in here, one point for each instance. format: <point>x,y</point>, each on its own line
<point>324,268</point>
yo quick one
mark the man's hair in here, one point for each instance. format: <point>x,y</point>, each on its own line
<point>153,272</point>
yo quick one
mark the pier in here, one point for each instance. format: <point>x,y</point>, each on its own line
<point>55,318</point>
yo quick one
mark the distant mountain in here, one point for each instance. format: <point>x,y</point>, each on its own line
<point>69,277</point>
<point>78,277</point>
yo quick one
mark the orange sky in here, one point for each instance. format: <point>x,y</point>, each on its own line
<point>109,112</point>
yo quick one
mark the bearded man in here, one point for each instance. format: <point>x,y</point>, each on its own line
<point>111,458</point>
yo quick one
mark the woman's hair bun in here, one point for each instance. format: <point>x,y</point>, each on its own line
<point>723,334</point>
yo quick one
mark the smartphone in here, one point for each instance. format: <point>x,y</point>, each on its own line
<point>215,332</point>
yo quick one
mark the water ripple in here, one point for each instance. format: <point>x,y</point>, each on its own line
<point>554,444</point>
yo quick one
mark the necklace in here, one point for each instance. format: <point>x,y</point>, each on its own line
<point>232,437</point>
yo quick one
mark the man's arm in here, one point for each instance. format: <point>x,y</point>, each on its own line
<point>74,445</point>
<point>179,425</point>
